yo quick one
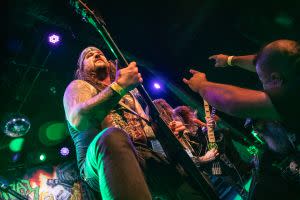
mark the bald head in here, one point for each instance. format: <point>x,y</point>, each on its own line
<point>280,56</point>
<point>283,45</point>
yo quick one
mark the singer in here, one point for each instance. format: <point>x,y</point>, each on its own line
<point>111,135</point>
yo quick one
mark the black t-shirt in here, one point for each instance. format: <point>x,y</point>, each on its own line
<point>287,103</point>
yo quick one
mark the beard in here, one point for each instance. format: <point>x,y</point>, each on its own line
<point>102,72</point>
<point>101,69</point>
<point>99,73</point>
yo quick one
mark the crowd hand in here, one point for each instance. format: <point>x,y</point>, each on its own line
<point>129,77</point>
<point>209,156</point>
<point>195,81</point>
<point>177,128</point>
<point>220,60</point>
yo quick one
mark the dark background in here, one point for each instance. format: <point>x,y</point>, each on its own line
<point>166,38</point>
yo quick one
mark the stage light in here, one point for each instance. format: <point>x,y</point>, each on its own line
<point>16,145</point>
<point>284,20</point>
<point>53,38</point>
<point>42,157</point>
<point>156,86</point>
<point>53,132</point>
<point>16,125</point>
<point>16,157</point>
<point>64,151</point>
<point>53,90</point>
<point>56,131</point>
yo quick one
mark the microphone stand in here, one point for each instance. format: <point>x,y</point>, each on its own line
<point>165,136</point>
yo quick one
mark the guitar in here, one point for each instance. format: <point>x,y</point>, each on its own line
<point>221,166</point>
<point>222,163</point>
<point>172,147</point>
<point>216,169</point>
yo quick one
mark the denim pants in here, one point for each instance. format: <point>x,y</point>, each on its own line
<point>118,169</point>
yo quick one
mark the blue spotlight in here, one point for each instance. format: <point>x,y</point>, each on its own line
<point>156,86</point>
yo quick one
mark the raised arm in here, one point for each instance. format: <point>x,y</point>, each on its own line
<point>236,101</point>
<point>245,62</point>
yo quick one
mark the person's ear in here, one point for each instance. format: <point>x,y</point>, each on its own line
<point>277,78</point>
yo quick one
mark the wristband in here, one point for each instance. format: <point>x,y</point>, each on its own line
<point>229,60</point>
<point>117,88</point>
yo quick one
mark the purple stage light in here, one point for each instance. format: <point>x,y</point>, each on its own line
<point>156,86</point>
<point>64,151</point>
<point>53,38</point>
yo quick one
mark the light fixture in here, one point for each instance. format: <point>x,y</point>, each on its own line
<point>42,157</point>
<point>64,151</point>
<point>53,39</point>
<point>16,125</point>
<point>156,86</point>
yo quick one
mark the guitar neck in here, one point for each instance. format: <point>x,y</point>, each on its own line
<point>210,130</point>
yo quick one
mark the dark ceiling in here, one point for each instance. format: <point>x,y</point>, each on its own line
<point>166,38</point>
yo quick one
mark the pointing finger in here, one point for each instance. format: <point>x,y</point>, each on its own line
<point>212,57</point>
<point>185,81</point>
<point>192,71</point>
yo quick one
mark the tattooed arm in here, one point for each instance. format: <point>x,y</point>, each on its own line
<point>83,106</point>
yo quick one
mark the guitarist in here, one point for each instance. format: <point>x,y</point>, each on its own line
<point>194,127</point>
<point>111,134</point>
<point>230,167</point>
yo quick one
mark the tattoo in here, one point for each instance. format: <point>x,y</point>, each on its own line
<point>83,104</point>
<point>77,92</point>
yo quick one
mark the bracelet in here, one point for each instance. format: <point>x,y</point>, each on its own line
<point>229,60</point>
<point>117,88</point>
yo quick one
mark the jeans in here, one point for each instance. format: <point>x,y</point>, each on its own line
<point>119,169</point>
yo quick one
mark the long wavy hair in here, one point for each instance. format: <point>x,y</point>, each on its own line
<point>165,110</point>
<point>89,76</point>
<point>187,115</point>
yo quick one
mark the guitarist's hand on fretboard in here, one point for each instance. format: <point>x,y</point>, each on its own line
<point>210,122</point>
<point>209,156</point>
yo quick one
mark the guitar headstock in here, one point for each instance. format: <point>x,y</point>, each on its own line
<point>86,13</point>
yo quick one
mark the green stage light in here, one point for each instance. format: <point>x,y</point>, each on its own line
<point>56,132</point>
<point>43,157</point>
<point>16,145</point>
<point>53,133</point>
